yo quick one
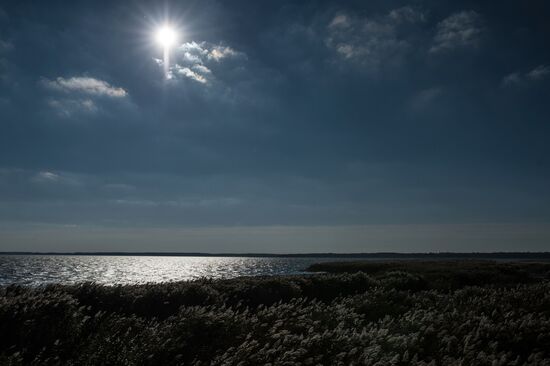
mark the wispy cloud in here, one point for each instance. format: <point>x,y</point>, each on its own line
<point>425,97</point>
<point>187,72</point>
<point>460,30</point>
<point>220,52</point>
<point>79,94</point>
<point>374,41</point>
<point>85,85</point>
<point>538,73</point>
<point>202,69</point>
<point>407,14</point>
<point>5,46</point>
<point>521,78</point>
<point>49,177</point>
<point>46,176</point>
<point>340,21</point>
<point>67,107</point>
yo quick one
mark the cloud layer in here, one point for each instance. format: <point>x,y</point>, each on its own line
<point>275,114</point>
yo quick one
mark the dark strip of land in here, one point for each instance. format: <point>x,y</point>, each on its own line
<point>377,255</point>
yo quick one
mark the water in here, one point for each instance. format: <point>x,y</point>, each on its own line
<point>38,269</point>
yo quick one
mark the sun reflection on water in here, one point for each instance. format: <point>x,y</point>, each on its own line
<point>38,270</point>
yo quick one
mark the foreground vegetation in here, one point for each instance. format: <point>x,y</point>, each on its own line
<point>459,313</point>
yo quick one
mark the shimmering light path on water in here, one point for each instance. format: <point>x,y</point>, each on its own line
<point>39,269</point>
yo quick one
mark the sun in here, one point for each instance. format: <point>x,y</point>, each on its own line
<point>166,36</point>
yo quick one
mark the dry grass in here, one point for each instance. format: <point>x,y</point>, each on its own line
<point>394,314</point>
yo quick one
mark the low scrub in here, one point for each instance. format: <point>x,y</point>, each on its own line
<point>392,316</point>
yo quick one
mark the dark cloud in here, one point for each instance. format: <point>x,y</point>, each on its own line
<point>460,30</point>
<point>537,74</point>
<point>375,41</point>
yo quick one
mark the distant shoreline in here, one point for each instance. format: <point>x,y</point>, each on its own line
<point>377,255</point>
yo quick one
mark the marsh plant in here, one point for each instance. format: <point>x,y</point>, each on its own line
<point>396,315</point>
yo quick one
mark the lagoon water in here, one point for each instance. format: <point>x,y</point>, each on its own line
<point>67,269</point>
<point>126,269</point>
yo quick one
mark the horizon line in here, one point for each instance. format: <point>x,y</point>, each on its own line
<point>502,254</point>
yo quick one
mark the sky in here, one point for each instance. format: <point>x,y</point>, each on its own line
<point>275,126</point>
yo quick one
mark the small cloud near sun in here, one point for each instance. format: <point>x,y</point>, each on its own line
<point>196,60</point>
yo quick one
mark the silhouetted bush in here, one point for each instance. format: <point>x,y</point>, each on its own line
<point>449,275</point>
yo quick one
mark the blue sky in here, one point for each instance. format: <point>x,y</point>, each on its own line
<point>381,125</point>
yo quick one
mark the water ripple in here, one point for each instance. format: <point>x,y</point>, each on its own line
<point>38,270</point>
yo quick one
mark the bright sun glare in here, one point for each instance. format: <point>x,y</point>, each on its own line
<point>166,36</point>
